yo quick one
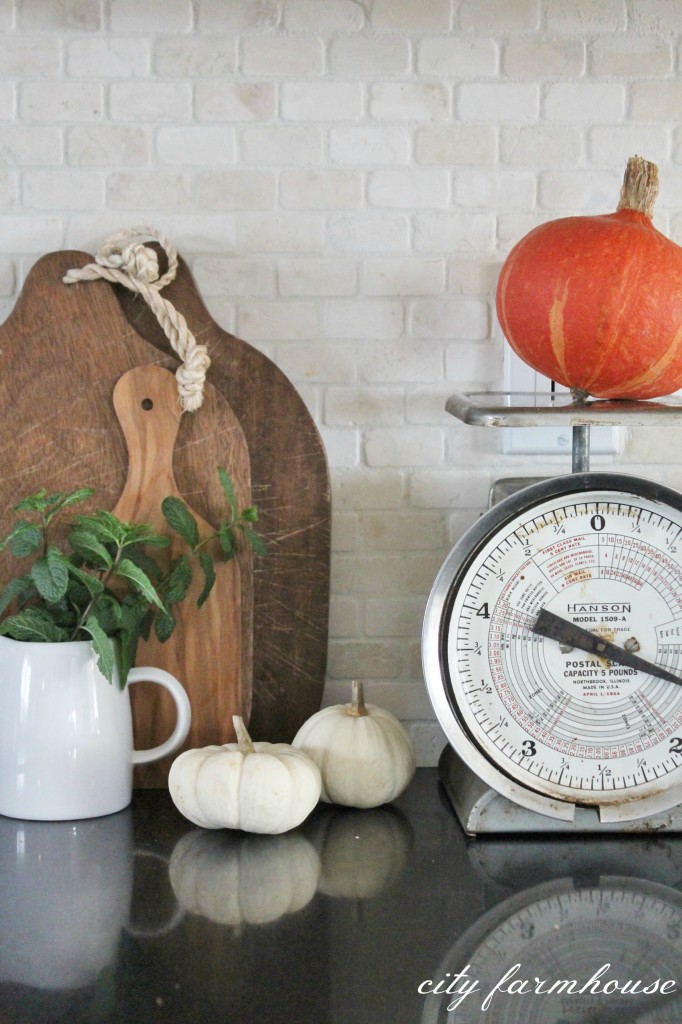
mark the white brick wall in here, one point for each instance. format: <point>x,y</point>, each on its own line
<point>345,179</point>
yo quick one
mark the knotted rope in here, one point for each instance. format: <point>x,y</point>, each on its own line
<point>124,259</point>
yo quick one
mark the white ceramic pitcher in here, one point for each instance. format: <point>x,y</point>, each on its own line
<point>66,734</point>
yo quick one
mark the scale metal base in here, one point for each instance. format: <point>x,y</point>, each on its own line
<point>480,809</point>
<point>483,811</point>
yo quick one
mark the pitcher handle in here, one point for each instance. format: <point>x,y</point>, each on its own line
<point>182,706</point>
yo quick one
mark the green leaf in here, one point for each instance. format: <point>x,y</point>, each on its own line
<point>92,584</point>
<point>21,589</point>
<point>164,624</point>
<point>228,487</point>
<point>51,575</point>
<point>254,539</point>
<point>108,611</point>
<point>61,501</point>
<point>25,539</point>
<point>180,519</point>
<point>249,515</point>
<point>226,539</point>
<point>143,533</point>
<point>208,569</point>
<point>102,646</point>
<point>86,544</point>
<point>126,652</point>
<point>33,503</point>
<point>35,624</point>
<point>178,580</point>
<point>104,525</point>
<point>127,570</point>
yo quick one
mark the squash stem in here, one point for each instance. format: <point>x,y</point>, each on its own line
<point>640,186</point>
<point>243,738</point>
<point>357,706</point>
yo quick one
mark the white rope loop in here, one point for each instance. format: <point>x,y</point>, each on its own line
<point>124,259</point>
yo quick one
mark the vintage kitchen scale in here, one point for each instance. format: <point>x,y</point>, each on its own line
<point>552,639</point>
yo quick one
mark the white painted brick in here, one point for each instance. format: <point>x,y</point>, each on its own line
<point>435,489</point>
<point>533,57</point>
<point>9,191</point>
<point>474,363</point>
<point>150,101</point>
<point>516,102</point>
<point>488,190</point>
<point>409,101</point>
<point>585,191</point>
<point>281,145</point>
<point>321,101</point>
<point>363,489</point>
<point>407,16</point>
<point>499,16</point>
<point>368,56</point>
<point>344,532</point>
<point>399,617</point>
<point>147,190</point>
<point>61,101</point>
<point>585,102</point>
<point>6,14</point>
<point>473,277</point>
<point>628,56</point>
<point>409,361</point>
<point>656,101</point>
<point>217,16</point>
<point>195,56</point>
<point>8,276</point>
<point>236,189</point>
<point>358,406</point>
<point>63,189</point>
<point>22,145</point>
<point>196,145</point>
<point>362,318</point>
<point>373,145</point>
<point>193,232</point>
<point>455,145</point>
<point>454,232</point>
<point>657,17</point>
<point>344,617</point>
<point>322,362</point>
<point>40,55</point>
<point>233,276</point>
<point>280,56</point>
<point>450,318</point>
<point>277,321</point>
<point>106,145</point>
<point>404,277</point>
<point>31,234</point>
<point>457,57</point>
<point>427,405</point>
<point>68,15</point>
<point>408,189</point>
<point>234,101</point>
<point>544,145</point>
<point>281,232</point>
<point>581,16</point>
<point>410,530</point>
<point>511,227</point>
<point>8,101</point>
<point>332,16</point>
<point>342,447</point>
<point>366,659</point>
<point>373,233</point>
<point>428,740</point>
<point>107,58</point>
<point>132,16</point>
<point>393,446</point>
<point>404,571</point>
<point>314,188</point>
<point>317,277</point>
<point>611,146</point>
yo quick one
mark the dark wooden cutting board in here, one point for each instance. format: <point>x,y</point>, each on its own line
<point>64,347</point>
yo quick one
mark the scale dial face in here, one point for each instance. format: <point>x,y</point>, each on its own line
<point>602,551</point>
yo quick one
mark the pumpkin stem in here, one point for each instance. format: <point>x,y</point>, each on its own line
<point>243,738</point>
<point>357,700</point>
<point>640,186</point>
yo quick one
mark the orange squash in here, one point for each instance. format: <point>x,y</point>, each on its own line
<point>595,302</point>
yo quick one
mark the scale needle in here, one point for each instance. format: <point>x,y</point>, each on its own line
<point>555,628</point>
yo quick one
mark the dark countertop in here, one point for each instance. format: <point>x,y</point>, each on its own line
<point>142,918</point>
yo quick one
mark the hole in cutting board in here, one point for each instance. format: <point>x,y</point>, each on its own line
<point>147,404</point>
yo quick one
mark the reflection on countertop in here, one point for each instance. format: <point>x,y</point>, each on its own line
<point>141,917</point>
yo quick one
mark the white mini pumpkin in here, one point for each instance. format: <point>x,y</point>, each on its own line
<point>255,787</point>
<point>364,754</point>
